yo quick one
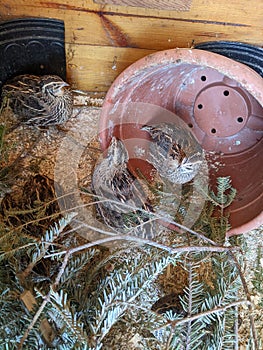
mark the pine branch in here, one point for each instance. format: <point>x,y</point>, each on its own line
<point>125,290</point>
<point>64,222</point>
<point>225,193</point>
<point>210,316</point>
<point>205,313</point>
<point>60,312</point>
<point>45,243</point>
<point>86,246</point>
<point>119,293</point>
<point>75,265</point>
<point>193,294</point>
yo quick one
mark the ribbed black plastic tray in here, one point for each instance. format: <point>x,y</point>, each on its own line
<point>33,46</point>
<point>250,55</point>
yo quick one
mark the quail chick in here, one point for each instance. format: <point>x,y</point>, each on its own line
<point>36,201</point>
<point>39,100</point>
<point>174,152</point>
<point>170,302</point>
<point>120,192</point>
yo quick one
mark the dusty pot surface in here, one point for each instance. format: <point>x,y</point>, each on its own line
<point>221,102</point>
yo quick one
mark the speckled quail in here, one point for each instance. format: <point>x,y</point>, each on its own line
<point>37,201</point>
<point>174,152</point>
<point>39,100</point>
<point>170,302</point>
<point>121,197</point>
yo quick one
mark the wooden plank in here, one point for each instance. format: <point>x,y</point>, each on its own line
<point>131,32</point>
<point>175,5</point>
<point>94,68</point>
<point>154,33</point>
<point>88,24</point>
<point>236,11</point>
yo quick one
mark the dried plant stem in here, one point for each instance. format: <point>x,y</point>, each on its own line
<point>155,216</point>
<point>63,212</point>
<point>236,329</point>
<point>182,249</point>
<point>170,338</point>
<point>204,313</point>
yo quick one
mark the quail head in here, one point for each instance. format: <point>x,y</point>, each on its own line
<point>120,194</point>
<point>174,152</point>
<point>39,100</point>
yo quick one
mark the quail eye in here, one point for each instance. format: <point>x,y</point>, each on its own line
<point>56,90</point>
<point>188,167</point>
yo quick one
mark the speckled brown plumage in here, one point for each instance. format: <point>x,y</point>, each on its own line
<point>120,194</point>
<point>38,100</point>
<point>174,152</point>
<point>169,302</point>
<point>37,201</point>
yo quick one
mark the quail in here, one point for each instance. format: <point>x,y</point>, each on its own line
<point>169,302</point>
<point>36,201</point>
<point>29,214</point>
<point>39,100</point>
<point>122,203</point>
<point>174,152</point>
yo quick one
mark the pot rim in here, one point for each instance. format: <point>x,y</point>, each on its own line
<point>233,69</point>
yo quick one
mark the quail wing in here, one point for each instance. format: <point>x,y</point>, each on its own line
<point>174,152</point>
<point>32,100</point>
<point>123,203</point>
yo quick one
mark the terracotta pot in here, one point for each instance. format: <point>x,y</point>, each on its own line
<point>221,101</point>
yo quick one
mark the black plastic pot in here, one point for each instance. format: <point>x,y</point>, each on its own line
<point>32,46</point>
<point>250,55</point>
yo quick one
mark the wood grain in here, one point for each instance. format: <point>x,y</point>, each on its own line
<point>99,37</point>
<point>175,5</point>
<point>96,67</point>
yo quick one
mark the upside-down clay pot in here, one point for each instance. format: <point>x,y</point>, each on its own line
<point>219,99</point>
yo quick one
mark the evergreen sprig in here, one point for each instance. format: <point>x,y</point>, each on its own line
<point>224,194</point>
<point>90,308</point>
<point>123,288</point>
<point>68,323</point>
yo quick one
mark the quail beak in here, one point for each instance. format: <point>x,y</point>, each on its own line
<point>147,128</point>
<point>61,88</point>
<point>63,84</point>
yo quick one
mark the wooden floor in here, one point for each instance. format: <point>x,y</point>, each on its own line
<point>102,40</point>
